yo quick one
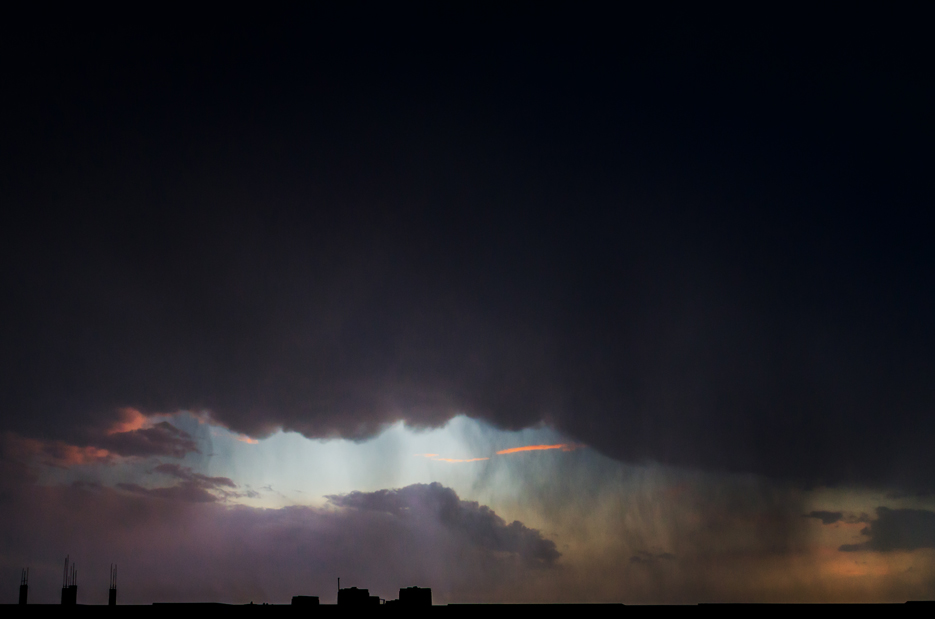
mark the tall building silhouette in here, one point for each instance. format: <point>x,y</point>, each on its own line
<point>112,593</point>
<point>24,585</point>
<point>69,584</point>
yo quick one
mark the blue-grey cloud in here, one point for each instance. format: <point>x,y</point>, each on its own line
<point>897,529</point>
<point>826,517</point>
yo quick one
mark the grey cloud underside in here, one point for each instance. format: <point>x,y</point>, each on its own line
<point>693,284</point>
<point>188,492</point>
<point>826,517</point>
<point>419,506</point>
<point>192,487</point>
<point>897,529</point>
<point>186,474</point>
<point>648,558</point>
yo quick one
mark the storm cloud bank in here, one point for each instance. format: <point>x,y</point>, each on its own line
<point>667,251</point>
<point>478,524</point>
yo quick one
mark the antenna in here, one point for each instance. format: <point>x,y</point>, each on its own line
<point>112,594</point>
<point>69,583</point>
<point>24,585</point>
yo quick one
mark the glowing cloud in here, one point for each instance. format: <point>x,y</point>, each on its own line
<point>513,450</point>
<point>563,446</point>
<point>130,420</point>
<point>53,453</point>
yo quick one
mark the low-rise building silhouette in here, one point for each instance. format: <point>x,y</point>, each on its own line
<point>415,596</point>
<point>353,596</point>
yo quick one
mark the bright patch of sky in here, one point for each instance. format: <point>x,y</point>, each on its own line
<point>287,468</point>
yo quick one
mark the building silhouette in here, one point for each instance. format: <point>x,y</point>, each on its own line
<point>305,600</point>
<point>24,585</point>
<point>415,596</point>
<point>412,597</point>
<point>69,584</point>
<point>353,596</point>
<point>112,592</point>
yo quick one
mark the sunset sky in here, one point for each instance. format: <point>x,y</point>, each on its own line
<point>527,305</point>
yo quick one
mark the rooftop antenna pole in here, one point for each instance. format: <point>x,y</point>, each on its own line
<point>112,594</point>
<point>24,586</point>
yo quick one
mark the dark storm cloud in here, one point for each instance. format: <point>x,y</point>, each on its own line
<point>826,517</point>
<point>94,446</point>
<point>672,247</point>
<point>203,551</point>
<point>898,529</point>
<point>478,524</point>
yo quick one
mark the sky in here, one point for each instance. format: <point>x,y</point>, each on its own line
<point>539,304</point>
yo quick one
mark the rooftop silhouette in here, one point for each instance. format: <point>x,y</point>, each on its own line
<point>419,599</point>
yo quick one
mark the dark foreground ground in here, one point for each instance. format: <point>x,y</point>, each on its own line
<point>477,611</point>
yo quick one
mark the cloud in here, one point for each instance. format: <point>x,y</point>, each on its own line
<point>186,491</point>
<point>897,529</point>
<point>467,519</point>
<point>646,558</point>
<point>503,452</point>
<point>57,454</point>
<point>133,436</point>
<point>462,266</point>
<point>185,473</point>
<point>193,487</point>
<point>161,439</point>
<point>826,517</point>
<point>513,450</point>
